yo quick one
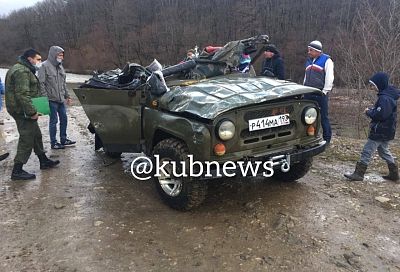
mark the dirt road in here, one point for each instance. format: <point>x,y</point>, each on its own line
<point>89,214</point>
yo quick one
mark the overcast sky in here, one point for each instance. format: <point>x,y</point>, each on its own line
<point>9,5</point>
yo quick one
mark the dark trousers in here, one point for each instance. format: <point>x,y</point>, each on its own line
<point>57,111</point>
<point>323,104</point>
<point>30,138</point>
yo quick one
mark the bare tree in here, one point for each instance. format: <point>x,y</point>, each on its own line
<point>108,33</point>
<point>372,44</point>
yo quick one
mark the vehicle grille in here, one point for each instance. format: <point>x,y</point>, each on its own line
<point>267,112</point>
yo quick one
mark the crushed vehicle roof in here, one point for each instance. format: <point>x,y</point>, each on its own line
<point>211,97</point>
<point>207,85</point>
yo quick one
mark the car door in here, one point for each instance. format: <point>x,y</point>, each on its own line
<point>115,115</point>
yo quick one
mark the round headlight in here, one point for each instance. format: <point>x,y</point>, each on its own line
<point>310,115</point>
<point>226,130</point>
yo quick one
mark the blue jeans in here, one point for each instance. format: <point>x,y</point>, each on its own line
<point>57,110</point>
<point>371,146</point>
<point>323,105</point>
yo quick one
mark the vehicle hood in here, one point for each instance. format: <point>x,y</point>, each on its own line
<point>211,97</point>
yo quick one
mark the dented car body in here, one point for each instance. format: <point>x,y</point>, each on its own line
<point>218,115</point>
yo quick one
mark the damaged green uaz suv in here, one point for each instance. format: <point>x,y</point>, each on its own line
<point>208,110</point>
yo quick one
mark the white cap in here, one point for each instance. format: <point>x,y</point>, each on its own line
<point>316,45</point>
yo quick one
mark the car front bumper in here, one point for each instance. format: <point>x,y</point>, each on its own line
<point>281,160</point>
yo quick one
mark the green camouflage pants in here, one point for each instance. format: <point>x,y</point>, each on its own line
<point>30,138</point>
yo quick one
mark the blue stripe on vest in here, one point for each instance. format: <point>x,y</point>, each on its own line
<point>315,72</point>
<point>320,61</point>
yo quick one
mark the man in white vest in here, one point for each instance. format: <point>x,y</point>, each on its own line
<point>319,74</point>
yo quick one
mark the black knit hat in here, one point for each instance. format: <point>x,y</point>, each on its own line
<point>271,48</point>
<point>30,53</point>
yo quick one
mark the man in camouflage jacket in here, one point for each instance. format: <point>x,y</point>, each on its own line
<point>22,85</point>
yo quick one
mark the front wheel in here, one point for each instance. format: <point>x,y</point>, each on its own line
<point>297,171</point>
<point>179,193</point>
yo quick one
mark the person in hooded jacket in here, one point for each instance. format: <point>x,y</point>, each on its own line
<point>52,80</point>
<point>382,128</point>
<point>273,65</point>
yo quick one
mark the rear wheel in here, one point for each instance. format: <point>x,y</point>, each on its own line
<point>179,193</point>
<point>297,171</point>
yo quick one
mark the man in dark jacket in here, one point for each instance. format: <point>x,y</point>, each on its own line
<point>22,85</point>
<point>5,155</point>
<point>52,79</point>
<point>273,64</point>
<point>1,100</point>
<point>382,128</point>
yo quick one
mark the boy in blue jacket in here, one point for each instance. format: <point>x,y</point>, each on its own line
<point>382,128</point>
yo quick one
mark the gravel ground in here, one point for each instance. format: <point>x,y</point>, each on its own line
<point>90,214</point>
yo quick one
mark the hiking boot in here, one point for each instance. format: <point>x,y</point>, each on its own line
<point>57,146</point>
<point>4,156</point>
<point>46,163</point>
<point>393,172</point>
<point>19,174</point>
<point>359,172</point>
<point>68,142</point>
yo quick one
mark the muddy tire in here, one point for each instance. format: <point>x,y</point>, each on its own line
<point>114,155</point>
<point>297,171</point>
<point>178,193</point>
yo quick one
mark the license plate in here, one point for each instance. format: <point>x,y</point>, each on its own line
<point>269,122</point>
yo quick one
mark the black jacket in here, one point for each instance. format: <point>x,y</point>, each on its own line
<point>274,67</point>
<point>384,113</point>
